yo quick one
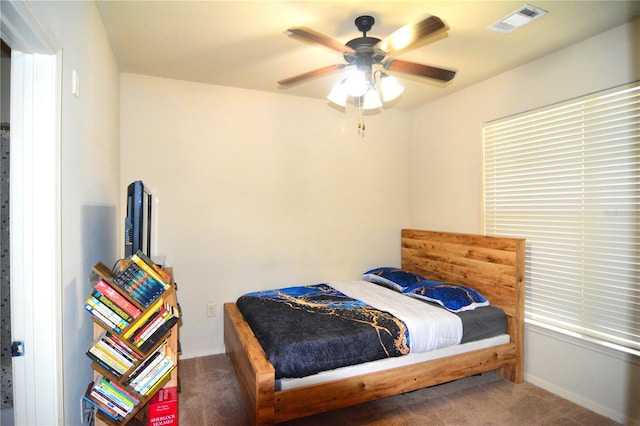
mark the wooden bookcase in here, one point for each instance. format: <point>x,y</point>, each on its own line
<point>138,416</point>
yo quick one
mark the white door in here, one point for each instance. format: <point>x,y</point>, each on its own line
<point>35,218</point>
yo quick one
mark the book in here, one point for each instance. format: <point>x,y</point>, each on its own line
<point>141,376</point>
<point>143,287</point>
<point>151,268</point>
<point>159,383</point>
<point>112,306</point>
<point>103,287</point>
<point>109,347</point>
<point>156,316</point>
<point>152,325</point>
<point>140,368</point>
<point>107,350</point>
<point>108,359</point>
<point>104,365</point>
<point>130,399</point>
<point>156,377</point>
<point>151,328</point>
<point>115,394</point>
<point>163,407</point>
<point>116,341</point>
<point>103,396</point>
<point>158,334</point>
<point>151,378</point>
<point>107,313</point>
<point>164,276</point>
<point>103,407</point>
<point>104,320</point>
<point>142,319</point>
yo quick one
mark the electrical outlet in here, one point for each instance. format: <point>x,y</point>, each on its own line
<point>211,310</point>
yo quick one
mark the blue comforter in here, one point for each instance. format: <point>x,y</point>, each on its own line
<point>307,329</point>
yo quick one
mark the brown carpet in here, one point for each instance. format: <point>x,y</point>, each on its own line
<point>210,396</point>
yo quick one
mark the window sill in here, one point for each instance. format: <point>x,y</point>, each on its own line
<point>586,342</point>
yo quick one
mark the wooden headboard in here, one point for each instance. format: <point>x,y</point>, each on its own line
<point>495,266</point>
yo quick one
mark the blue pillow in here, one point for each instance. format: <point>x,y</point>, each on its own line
<point>455,298</point>
<point>393,278</point>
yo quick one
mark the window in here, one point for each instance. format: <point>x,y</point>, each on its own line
<point>567,178</point>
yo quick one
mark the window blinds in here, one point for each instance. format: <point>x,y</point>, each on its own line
<point>567,178</point>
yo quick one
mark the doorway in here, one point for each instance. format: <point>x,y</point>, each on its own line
<point>6,378</point>
<point>35,215</point>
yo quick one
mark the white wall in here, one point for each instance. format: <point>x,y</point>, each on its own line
<point>257,190</point>
<point>446,184</point>
<point>90,185</point>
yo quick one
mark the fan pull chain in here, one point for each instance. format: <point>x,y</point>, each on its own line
<point>361,124</point>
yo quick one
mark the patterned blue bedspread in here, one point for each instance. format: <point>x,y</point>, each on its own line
<point>307,329</point>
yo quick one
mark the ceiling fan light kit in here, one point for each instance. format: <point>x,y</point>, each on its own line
<point>357,85</point>
<point>369,58</point>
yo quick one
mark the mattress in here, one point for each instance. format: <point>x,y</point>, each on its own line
<point>389,363</point>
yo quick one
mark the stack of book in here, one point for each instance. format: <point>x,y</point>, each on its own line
<point>142,280</point>
<point>110,307</point>
<point>111,399</point>
<point>153,326</point>
<point>149,374</point>
<point>112,354</point>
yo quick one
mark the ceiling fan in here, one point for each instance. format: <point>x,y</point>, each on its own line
<point>366,52</point>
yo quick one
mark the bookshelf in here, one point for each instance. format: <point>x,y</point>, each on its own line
<point>135,349</point>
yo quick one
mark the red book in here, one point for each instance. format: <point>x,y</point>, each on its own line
<point>103,287</point>
<point>163,407</point>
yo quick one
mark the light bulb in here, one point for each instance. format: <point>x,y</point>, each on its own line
<point>356,83</point>
<point>390,87</point>
<point>338,94</point>
<point>371,99</point>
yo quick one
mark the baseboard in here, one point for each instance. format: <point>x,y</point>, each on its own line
<point>581,400</point>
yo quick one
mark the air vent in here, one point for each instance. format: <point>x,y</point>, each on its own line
<point>520,17</point>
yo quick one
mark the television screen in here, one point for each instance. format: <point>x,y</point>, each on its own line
<point>137,230</point>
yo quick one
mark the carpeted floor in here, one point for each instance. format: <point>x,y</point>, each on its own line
<point>210,396</point>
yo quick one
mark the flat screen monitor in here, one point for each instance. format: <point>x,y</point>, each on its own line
<point>137,228</point>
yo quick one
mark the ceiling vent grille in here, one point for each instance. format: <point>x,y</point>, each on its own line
<point>520,17</point>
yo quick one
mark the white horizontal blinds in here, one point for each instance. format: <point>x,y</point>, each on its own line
<point>567,178</point>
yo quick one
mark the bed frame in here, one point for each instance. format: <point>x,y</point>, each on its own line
<point>492,265</point>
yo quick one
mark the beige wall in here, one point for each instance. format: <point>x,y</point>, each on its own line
<point>89,173</point>
<point>256,191</point>
<point>446,184</point>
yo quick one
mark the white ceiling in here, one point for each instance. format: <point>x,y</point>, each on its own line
<point>245,44</point>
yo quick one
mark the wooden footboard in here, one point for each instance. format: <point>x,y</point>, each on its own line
<point>494,266</point>
<point>256,375</point>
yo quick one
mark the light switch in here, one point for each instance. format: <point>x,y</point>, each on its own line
<point>75,83</point>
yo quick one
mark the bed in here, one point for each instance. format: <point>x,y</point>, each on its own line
<point>492,265</point>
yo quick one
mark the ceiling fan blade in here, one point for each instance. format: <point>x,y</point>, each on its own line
<point>419,70</point>
<point>310,74</point>
<point>308,34</point>
<point>410,34</point>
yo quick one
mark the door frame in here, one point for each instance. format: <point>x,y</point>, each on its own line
<point>36,62</point>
